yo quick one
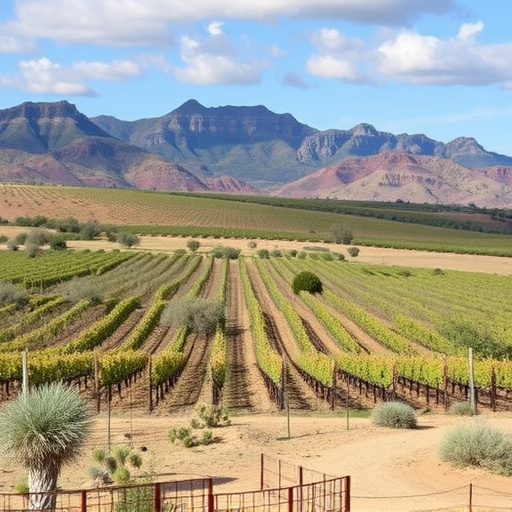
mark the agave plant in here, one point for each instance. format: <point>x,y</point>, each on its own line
<point>41,430</point>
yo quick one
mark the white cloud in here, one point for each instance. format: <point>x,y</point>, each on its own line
<point>215,28</point>
<point>141,22</point>
<point>338,57</point>
<point>215,61</point>
<point>416,59</point>
<point>43,76</point>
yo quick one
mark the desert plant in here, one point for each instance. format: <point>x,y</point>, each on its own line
<point>308,282</point>
<point>116,466</point>
<point>193,245</point>
<point>394,415</point>
<point>213,415</point>
<point>460,409</point>
<point>41,430</point>
<point>477,444</point>
<point>353,251</point>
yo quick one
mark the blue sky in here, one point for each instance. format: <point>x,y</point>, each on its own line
<point>439,67</point>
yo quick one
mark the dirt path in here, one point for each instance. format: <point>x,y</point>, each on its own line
<point>244,388</point>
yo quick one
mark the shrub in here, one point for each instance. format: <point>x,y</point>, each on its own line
<point>292,253</point>
<point>128,239</point>
<point>394,415</point>
<point>353,251</point>
<point>252,244</point>
<point>460,409</point>
<point>227,252</point>
<point>32,250</point>
<point>200,315</point>
<point>38,237</point>
<point>308,282</point>
<point>276,253</point>
<point>4,239</point>
<point>20,238</point>
<point>193,245</point>
<point>341,234</point>
<point>302,255</point>
<point>80,288</point>
<point>477,444</point>
<point>213,415</point>
<point>90,230</point>
<point>264,254</point>
<point>11,294</point>
<point>58,243</point>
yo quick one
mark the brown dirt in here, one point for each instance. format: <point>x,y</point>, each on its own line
<point>390,469</point>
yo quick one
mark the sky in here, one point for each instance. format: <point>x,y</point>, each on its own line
<point>438,67</point>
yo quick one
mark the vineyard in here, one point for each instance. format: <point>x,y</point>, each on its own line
<point>375,333</point>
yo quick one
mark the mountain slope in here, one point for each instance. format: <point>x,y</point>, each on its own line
<point>402,176</point>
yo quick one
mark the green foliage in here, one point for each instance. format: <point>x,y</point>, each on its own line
<point>58,243</point>
<point>38,237</point>
<point>302,255</point>
<point>90,230</point>
<point>460,409</point>
<point>21,487</point>
<point>193,245</point>
<point>308,282</point>
<point>4,239</point>
<point>116,467</point>
<point>32,250</point>
<point>252,244</point>
<point>11,294</point>
<point>353,251</point>
<point>213,416</point>
<point>394,415</point>
<point>230,253</point>
<point>276,253</point>
<point>341,233</point>
<point>127,239</point>
<point>264,254</point>
<point>12,244</point>
<point>200,315</point>
<point>479,445</point>
<point>41,430</point>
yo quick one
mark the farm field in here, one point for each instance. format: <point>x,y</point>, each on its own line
<point>154,213</point>
<point>390,324</point>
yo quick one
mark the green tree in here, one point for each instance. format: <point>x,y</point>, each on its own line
<point>308,282</point>
<point>341,233</point>
<point>193,245</point>
<point>42,430</point>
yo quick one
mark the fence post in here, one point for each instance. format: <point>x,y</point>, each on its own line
<point>210,495</point>
<point>346,504</point>
<point>290,499</point>
<point>157,503</point>
<point>470,497</point>
<point>262,469</point>
<point>83,501</point>
<point>150,387</point>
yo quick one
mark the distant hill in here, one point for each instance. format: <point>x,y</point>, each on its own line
<point>246,150</point>
<point>401,176</point>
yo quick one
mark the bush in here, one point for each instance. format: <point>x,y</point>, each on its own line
<point>90,230</point>
<point>302,255</point>
<point>32,250</point>
<point>252,244</point>
<point>460,409</point>
<point>477,444</point>
<point>58,243</point>
<point>193,245</point>
<point>394,415</point>
<point>80,288</point>
<point>12,244</point>
<point>4,239</point>
<point>276,253</point>
<point>264,254</point>
<point>308,282</point>
<point>128,239</point>
<point>227,252</point>
<point>200,315</point>
<point>353,251</point>
<point>213,415</point>
<point>38,237</point>
<point>11,294</point>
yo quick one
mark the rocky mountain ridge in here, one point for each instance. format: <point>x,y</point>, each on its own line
<point>245,150</point>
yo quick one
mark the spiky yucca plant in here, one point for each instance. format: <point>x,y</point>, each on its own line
<point>42,430</point>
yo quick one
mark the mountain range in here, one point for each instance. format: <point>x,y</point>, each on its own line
<point>245,150</point>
